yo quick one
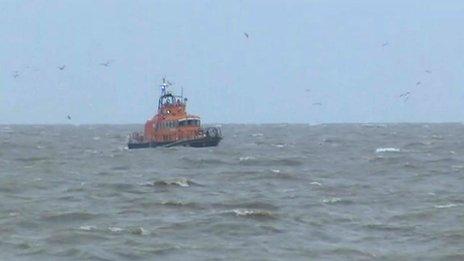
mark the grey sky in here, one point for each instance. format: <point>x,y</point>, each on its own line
<point>333,48</point>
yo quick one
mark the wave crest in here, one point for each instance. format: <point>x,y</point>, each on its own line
<point>389,149</point>
<point>180,182</point>
<point>254,213</point>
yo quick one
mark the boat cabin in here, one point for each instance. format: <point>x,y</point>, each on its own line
<point>172,123</point>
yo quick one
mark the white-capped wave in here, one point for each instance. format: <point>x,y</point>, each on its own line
<point>181,182</point>
<point>115,229</point>
<point>446,206</point>
<point>146,183</point>
<point>87,228</point>
<point>251,212</point>
<point>139,231</point>
<point>316,183</point>
<point>246,158</point>
<point>380,150</point>
<point>331,200</point>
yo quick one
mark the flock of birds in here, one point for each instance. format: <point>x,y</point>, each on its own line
<point>107,63</point>
<point>17,74</point>
<point>404,96</point>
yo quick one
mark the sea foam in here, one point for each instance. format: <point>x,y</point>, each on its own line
<point>380,150</point>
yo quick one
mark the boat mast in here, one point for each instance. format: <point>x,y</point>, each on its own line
<point>164,91</point>
<point>164,87</point>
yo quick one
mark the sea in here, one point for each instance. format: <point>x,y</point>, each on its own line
<point>266,192</point>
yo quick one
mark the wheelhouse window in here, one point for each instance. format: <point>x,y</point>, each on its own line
<point>189,122</point>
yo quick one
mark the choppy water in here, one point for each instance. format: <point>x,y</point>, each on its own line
<point>267,192</point>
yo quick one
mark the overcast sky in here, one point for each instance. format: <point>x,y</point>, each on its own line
<point>303,62</point>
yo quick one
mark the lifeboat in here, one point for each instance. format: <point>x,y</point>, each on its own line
<point>172,126</point>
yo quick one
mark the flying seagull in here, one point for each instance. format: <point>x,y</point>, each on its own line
<point>69,117</point>
<point>246,35</point>
<point>15,74</point>
<point>106,64</point>
<point>384,44</point>
<point>428,71</point>
<point>62,67</point>
<point>404,94</point>
<point>418,83</point>
<point>317,104</point>
<point>307,90</point>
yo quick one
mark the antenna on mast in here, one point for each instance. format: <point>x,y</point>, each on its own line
<point>163,87</point>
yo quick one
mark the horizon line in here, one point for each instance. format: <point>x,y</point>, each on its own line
<point>246,123</point>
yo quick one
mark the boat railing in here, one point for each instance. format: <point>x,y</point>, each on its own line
<point>212,132</point>
<point>136,137</point>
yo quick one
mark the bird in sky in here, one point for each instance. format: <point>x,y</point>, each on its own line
<point>385,44</point>
<point>246,35</point>
<point>405,94</point>
<point>317,104</point>
<point>69,117</point>
<point>428,71</point>
<point>62,67</point>
<point>418,83</point>
<point>106,64</point>
<point>15,74</point>
<point>307,90</point>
